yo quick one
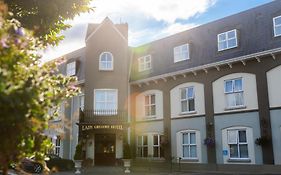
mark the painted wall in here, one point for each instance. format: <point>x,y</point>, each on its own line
<point>140,105</point>
<point>149,127</point>
<point>250,92</point>
<point>196,123</point>
<point>175,94</point>
<point>275,118</point>
<point>274,86</point>
<point>247,119</point>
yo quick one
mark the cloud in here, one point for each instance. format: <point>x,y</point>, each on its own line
<point>148,20</point>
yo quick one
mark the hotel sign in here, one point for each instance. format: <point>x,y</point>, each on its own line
<point>90,127</point>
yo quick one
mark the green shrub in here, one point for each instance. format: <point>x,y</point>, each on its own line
<point>127,154</point>
<point>78,152</point>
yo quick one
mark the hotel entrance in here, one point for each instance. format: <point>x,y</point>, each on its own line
<point>105,149</point>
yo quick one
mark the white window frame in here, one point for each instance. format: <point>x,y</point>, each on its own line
<point>274,26</point>
<point>198,144</point>
<point>57,148</point>
<point>71,68</point>
<point>141,146</point>
<point>189,145</point>
<point>187,99</point>
<point>105,111</point>
<point>250,146</point>
<point>144,63</point>
<point>158,145</point>
<point>237,142</point>
<point>149,105</point>
<point>112,62</point>
<point>234,92</point>
<point>81,98</point>
<point>178,55</point>
<point>227,39</point>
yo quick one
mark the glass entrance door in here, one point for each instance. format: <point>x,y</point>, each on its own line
<point>105,149</point>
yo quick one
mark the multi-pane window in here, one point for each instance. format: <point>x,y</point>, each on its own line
<point>57,145</point>
<point>81,101</point>
<point>142,146</point>
<point>187,99</point>
<point>106,61</point>
<point>277,26</point>
<point>105,101</point>
<point>227,40</point>
<point>189,147</point>
<point>234,93</point>
<point>150,105</point>
<point>181,53</point>
<point>144,63</point>
<point>71,68</point>
<point>157,150</point>
<point>238,145</point>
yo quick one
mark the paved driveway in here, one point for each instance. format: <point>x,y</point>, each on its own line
<point>119,171</point>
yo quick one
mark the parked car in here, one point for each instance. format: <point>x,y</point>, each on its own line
<point>29,165</point>
<point>55,163</point>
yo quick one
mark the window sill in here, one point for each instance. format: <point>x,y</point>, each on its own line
<point>149,117</point>
<point>221,50</point>
<point>189,160</point>
<point>187,113</point>
<point>244,160</point>
<point>181,60</point>
<point>106,70</point>
<point>235,107</point>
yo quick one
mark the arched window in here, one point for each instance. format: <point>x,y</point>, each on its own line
<point>106,61</point>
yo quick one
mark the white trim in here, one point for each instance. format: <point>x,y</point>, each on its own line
<point>114,27</point>
<point>71,68</point>
<point>179,142</point>
<point>149,105</point>
<point>182,59</point>
<point>219,63</point>
<point>116,90</point>
<point>145,63</point>
<point>227,39</point>
<point>274,31</point>
<point>112,64</point>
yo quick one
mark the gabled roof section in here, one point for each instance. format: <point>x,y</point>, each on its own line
<point>121,29</point>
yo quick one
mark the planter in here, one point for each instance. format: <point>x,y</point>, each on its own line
<point>78,166</point>
<point>127,165</point>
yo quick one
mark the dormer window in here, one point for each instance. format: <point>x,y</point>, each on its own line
<point>106,61</point>
<point>144,63</point>
<point>181,53</point>
<point>277,26</point>
<point>227,40</point>
<point>71,68</point>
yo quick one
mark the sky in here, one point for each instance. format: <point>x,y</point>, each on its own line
<point>148,20</point>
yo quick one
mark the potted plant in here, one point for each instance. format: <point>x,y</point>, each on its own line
<point>262,141</point>
<point>127,156</point>
<point>209,142</point>
<point>78,158</point>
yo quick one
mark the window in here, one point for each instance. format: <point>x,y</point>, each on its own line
<point>234,93</point>
<point>144,63</point>
<point>150,105</point>
<point>142,148</point>
<point>227,40</point>
<point>187,99</point>
<point>71,68</point>
<point>57,145</point>
<point>157,150</point>
<point>106,61</point>
<point>277,26</point>
<point>81,101</point>
<point>189,146</point>
<point>237,142</point>
<point>181,53</point>
<point>105,101</point>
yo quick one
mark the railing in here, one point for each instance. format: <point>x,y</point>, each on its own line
<point>103,116</point>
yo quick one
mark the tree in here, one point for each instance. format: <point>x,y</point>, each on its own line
<point>46,18</point>
<point>28,89</point>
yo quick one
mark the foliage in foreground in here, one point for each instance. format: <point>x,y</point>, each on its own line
<point>28,90</point>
